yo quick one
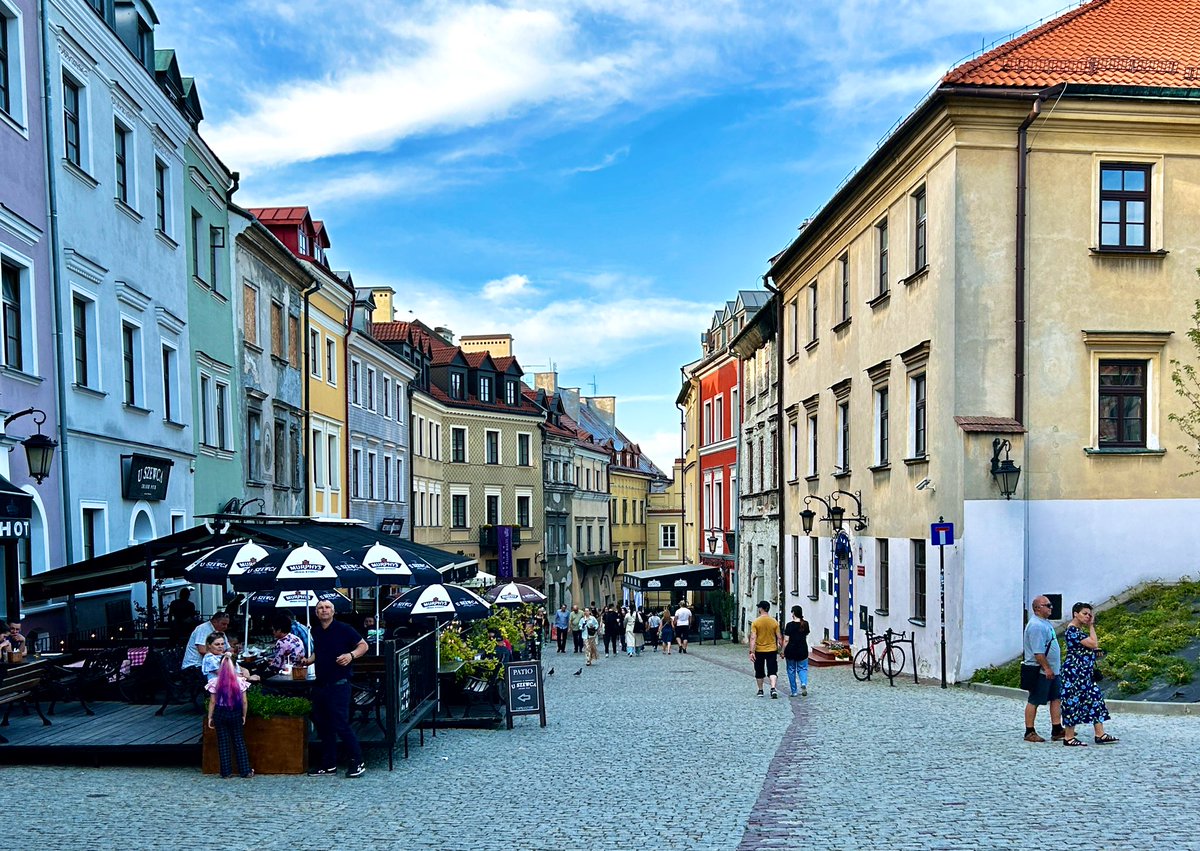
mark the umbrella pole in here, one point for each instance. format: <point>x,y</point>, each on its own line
<point>437,664</point>
<point>378,630</point>
<point>246,641</point>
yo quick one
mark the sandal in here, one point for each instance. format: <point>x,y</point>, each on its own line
<point>1074,743</point>
<point>1106,739</point>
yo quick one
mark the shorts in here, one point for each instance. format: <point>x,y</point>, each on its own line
<point>1046,690</point>
<point>681,632</point>
<point>766,663</point>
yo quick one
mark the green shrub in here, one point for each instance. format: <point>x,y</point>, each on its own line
<point>262,705</point>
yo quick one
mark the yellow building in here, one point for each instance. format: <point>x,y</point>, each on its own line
<point>1001,286</point>
<point>689,474</point>
<point>664,520</point>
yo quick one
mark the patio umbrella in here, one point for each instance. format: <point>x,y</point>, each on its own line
<point>215,566</point>
<point>441,602</point>
<point>261,602</point>
<point>303,568</point>
<point>513,594</point>
<point>391,566</point>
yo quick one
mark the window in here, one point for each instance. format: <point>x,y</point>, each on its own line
<point>254,445</point>
<point>355,394</point>
<point>121,161</point>
<point>297,457</point>
<point>918,415</point>
<point>920,231</point>
<point>708,423</point>
<point>386,398</point>
<point>458,510</point>
<point>735,412</point>
<point>250,314</point>
<point>881,426</point>
<point>170,383</point>
<point>844,263</point>
<point>812,444</point>
<point>1122,403</point>
<point>485,389</point>
<point>1125,206</point>
<point>205,410</point>
<point>719,419</point>
<point>371,391</point>
<point>493,508</point>
<point>276,328</point>
<point>314,353</point>
<point>814,568</point>
<point>387,478</point>
<point>7,61</point>
<point>667,536</point>
<point>73,121</point>
<point>197,232</point>
<point>814,326</point>
<point>578,539</point>
<point>92,532</point>
<point>145,44</point>
<point>456,385</point>
<point>624,512</point>
<point>510,393</point>
<point>794,443</point>
<point>794,325</point>
<point>419,430</point>
<point>12,318</point>
<point>492,443</point>
<point>918,579</point>
<point>372,461</point>
<point>293,342</point>
<point>330,361</point>
<point>844,437</point>
<point>335,480</point>
<point>160,196</point>
<point>222,414</point>
<point>356,473</point>
<point>881,246</point>
<point>399,401</point>
<point>279,453</point>
<point>82,323</point>
<point>130,363</point>
<point>523,514</point>
<point>458,445</point>
<point>588,532</point>
<point>523,450</point>
<point>882,582</point>
<point>302,243</point>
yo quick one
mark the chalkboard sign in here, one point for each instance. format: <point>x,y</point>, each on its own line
<point>403,684</point>
<point>523,695</point>
<point>708,627</point>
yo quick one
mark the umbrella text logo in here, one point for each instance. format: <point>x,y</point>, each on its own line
<point>306,566</point>
<point>434,603</point>
<point>298,597</point>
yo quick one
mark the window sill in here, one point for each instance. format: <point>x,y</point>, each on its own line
<point>281,488</point>
<point>842,474</point>
<point>1123,450</point>
<point>917,621</point>
<point>812,345</point>
<point>793,357</point>
<point>814,597</point>
<point>816,477</point>
<point>284,362</point>
<point>880,300</point>
<point>174,424</point>
<point>12,122</point>
<point>912,462</point>
<point>255,483</point>
<point>162,235</point>
<point>916,276</point>
<point>124,207</point>
<point>793,481</point>
<point>254,347</point>
<point>136,409</point>
<point>20,375</point>
<point>882,612</point>
<point>79,173</point>
<point>843,325</point>
<point>1149,254</point>
<point>90,391</point>
<point>881,468</point>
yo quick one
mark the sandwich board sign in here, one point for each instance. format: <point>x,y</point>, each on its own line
<point>523,692</point>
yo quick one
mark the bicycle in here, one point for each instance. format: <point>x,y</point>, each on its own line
<point>867,661</point>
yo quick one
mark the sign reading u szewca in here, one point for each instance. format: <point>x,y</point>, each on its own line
<point>524,688</point>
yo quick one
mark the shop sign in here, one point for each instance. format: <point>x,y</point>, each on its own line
<point>145,477</point>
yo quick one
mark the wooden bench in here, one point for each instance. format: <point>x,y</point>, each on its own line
<point>23,684</point>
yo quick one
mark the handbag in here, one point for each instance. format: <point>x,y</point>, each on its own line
<point>1029,676</point>
<point>1096,675</point>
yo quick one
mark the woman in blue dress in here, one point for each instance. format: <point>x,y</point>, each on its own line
<point>1082,702</point>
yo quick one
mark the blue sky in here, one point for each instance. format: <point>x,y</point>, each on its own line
<point>593,177</point>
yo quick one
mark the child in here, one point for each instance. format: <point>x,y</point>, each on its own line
<point>215,652</point>
<point>227,715</point>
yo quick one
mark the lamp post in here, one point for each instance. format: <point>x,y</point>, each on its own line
<point>39,449</point>
<point>835,514</point>
<point>1005,472</point>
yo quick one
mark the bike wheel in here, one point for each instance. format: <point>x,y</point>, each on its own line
<point>893,661</point>
<point>862,665</point>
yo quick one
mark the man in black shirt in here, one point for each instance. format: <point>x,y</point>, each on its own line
<point>335,647</point>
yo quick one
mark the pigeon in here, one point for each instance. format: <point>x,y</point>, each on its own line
<point>580,671</point>
<point>550,673</point>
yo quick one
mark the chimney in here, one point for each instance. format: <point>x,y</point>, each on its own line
<point>547,381</point>
<point>383,311</point>
<point>605,407</point>
<point>445,333</point>
<point>570,398</point>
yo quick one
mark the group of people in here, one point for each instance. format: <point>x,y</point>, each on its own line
<point>768,642</point>
<point>1068,685</point>
<point>624,629</point>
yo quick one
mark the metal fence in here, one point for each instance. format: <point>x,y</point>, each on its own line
<point>410,686</point>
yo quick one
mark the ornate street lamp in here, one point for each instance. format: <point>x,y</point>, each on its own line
<point>712,540</point>
<point>835,514</point>
<point>1005,472</point>
<point>39,449</point>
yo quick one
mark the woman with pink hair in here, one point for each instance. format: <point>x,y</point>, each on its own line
<point>227,715</point>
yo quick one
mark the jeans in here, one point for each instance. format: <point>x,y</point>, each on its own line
<point>331,717</point>
<point>577,639</point>
<point>561,638</point>
<point>797,667</point>
<point>611,640</point>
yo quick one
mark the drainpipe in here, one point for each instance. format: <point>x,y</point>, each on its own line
<point>779,445</point>
<point>61,360</point>
<point>683,475</point>
<point>306,440</point>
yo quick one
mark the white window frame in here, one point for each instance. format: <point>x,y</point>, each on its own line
<point>465,492</point>
<point>718,418</point>
<point>794,461</point>
<point>171,400</point>
<point>814,443</point>
<point>518,495</point>
<point>356,382</point>
<point>91,330</point>
<point>372,475</point>
<point>668,536</point>
<point>707,424</point>
<point>1157,192</point>
<point>487,433</point>
<point>466,459</point>
<point>794,326</point>
<point>138,354</point>
<point>386,395</point>
<point>18,107</point>
<point>131,164</point>
<point>206,422</point>
<point>314,353</point>
<point>100,506</point>
<point>85,119</point>
<point>370,402</point>
<point>1145,346</point>
<point>843,423</point>
<point>883,425</point>
<point>529,452</point>
<point>356,473</point>
<point>26,292</point>
<point>168,223</point>
<point>331,361</point>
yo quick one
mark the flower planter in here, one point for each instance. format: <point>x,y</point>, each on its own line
<point>277,745</point>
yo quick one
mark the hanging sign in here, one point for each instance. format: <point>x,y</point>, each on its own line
<point>145,477</point>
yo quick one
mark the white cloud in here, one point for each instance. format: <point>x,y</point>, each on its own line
<point>662,447</point>
<point>605,161</point>
<point>506,288</point>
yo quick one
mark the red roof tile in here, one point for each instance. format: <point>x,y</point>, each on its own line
<point>280,215</point>
<point>1152,43</point>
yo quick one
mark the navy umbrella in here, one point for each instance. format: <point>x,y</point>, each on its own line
<point>304,568</point>
<point>227,561</point>
<point>395,564</point>
<point>513,594</point>
<point>440,602</point>
<point>262,602</point>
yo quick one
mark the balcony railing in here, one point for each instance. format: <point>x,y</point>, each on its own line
<point>487,537</point>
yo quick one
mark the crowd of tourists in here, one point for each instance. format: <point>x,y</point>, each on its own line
<point>623,630</point>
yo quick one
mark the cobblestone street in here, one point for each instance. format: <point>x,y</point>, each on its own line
<point>679,749</point>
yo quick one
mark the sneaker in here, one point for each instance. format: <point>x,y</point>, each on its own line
<point>760,693</point>
<point>1033,737</point>
<point>357,770</point>
<point>774,694</point>
<point>794,694</point>
<point>322,772</point>
<point>804,691</point>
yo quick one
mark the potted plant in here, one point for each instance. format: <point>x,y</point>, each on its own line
<point>723,604</point>
<point>276,734</point>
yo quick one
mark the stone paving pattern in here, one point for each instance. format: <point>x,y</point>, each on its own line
<point>673,753</point>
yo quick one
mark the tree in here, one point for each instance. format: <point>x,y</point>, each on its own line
<point>1186,379</point>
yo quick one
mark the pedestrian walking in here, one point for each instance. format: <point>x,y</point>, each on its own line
<point>667,630</point>
<point>683,625</point>
<point>576,631</point>
<point>335,647</point>
<point>795,651</point>
<point>590,625</point>
<point>652,625</point>
<point>562,624</point>
<point>629,638</point>
<point>227,716</point>
<point>1040,669</point>
<point>1082,701</point>
<point>765,640</point>
<point>639,630</point>
<point>613,629</point>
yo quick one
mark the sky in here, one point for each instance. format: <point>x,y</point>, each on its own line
<point>594,177</point>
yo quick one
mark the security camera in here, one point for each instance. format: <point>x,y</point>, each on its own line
<point>925,483</point>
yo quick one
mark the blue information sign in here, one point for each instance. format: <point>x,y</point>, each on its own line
<point>941,534</point>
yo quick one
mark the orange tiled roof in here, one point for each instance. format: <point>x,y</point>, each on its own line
<point>280,215</point>
<point>1152,43</point>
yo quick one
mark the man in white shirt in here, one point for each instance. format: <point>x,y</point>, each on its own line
<point>194,654</point>
<point>683,625</point>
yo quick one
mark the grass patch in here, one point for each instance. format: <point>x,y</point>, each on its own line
<point>1140,638</point>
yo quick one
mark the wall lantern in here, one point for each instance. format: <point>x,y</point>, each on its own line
<point>835,514</point>
<point>1005,472</point>
<point>712,540</point>
<point>39,449</point>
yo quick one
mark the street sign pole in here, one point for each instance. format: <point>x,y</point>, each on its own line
<point>941,535</point>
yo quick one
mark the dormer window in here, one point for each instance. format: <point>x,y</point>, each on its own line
<point>145,44</point>
<point>304,249</point>
<point>485,389</point>
<point>456,385</point>
<point>510,393</point>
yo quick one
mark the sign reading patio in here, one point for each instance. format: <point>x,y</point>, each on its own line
<point>524,692</point>
<point>145,477</point>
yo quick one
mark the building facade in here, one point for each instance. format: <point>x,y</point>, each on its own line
<point>939,322</point>
<point>664,520</point>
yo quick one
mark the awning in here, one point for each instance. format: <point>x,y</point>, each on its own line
<point>683,577</point>
<point>601,561</point>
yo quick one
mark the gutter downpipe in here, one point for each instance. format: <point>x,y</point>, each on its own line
<point>683,474</point>
<point>781,565</point>
<point>306,442</point>
<point>64,455</point>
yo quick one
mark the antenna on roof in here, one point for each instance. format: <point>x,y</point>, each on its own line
<point>594,388</point>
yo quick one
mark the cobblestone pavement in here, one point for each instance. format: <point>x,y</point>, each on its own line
<point>716,768</point>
